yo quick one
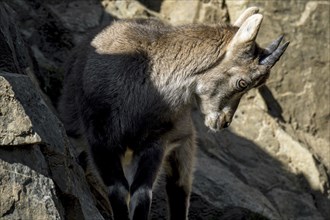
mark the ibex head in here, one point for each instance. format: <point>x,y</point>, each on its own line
<point>244,66</point>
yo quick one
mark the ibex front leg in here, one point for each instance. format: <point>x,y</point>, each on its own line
<point>148,162</point>
<point>109,166</point>
<point>107,158</point>
<point>179,168</point>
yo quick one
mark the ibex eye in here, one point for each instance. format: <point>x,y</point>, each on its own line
<point>241,84</point>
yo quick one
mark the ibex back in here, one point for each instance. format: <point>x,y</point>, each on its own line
<point>131,90</point>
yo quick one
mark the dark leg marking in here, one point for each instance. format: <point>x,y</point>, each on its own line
<point>178,168</point>
<point>106,154</point>
<point>150,159</point>
<point>177,195</point>
<point>110,169</point>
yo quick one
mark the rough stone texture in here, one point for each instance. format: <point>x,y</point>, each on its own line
<point>12,42</point>
<point>27,193</point>
<point>15,127</point>
<point>264,161</point>
<point>185,12</point>
<point>40,178</point>
<point>127,9</point>
<point>300,82</point>
<point>273,162</point>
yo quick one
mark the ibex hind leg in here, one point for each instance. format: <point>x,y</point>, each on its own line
<point>178,170</point>
<point>149,161</point>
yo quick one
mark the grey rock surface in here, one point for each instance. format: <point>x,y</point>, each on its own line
<point>40,178</point>
<point>27,193</point>
<point>39,175</point>
<point>14,56</point>
<point>273,162</point>
<point>300,82</point>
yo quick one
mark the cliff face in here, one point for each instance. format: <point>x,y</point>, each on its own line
<point>273,162</point>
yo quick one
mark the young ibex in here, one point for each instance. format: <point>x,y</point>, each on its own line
<point>131,90</point>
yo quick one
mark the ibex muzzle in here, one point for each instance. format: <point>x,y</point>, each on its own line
<point>131,90</point>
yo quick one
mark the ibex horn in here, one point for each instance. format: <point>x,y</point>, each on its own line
<point>245,15</point>
<point>274,45</point>
<point>272,58</point>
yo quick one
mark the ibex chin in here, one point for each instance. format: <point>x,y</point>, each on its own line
<point>130,92</point>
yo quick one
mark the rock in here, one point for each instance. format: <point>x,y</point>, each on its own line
<point>27,193</point>
<point>199,11</point>
<point>49,42</point>
<point>78,16</point>
<point>308,175</point>
<point>15,127</point>
<point>251,165</point>
<point>39,174</point>
<point>301,77</point>
<point>224,187</point>
<point>273,176</point>
<point>127,9</point>
<point>273,162</point>
<point>14,56</point>
<point>300,86</point>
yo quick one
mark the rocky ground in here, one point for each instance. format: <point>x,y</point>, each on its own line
<point>273,163</point>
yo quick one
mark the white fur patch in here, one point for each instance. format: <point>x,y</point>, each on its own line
<point>138,197</point>
<point>211,120</point>
<point>121,191</point>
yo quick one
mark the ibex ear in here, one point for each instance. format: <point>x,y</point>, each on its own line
<point>246,34</point>
<point>245,15</point>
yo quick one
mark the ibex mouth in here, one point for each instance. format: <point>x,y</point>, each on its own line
<point>216,121</point>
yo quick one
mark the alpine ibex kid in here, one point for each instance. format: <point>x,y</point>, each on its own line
<point>131,90</point>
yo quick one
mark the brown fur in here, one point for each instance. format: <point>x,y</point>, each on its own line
<point>131,91</point>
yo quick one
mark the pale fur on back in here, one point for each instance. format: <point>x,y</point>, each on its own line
<point>176,54</point>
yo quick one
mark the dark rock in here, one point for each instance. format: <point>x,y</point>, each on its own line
<point>272,163</point>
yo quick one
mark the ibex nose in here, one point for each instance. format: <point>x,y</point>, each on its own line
<point>226,125</point>
<point>224,120</point>
<point>216,121</point>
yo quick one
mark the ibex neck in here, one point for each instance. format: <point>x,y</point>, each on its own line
<point>176,89</point>
<point>179,55</point>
